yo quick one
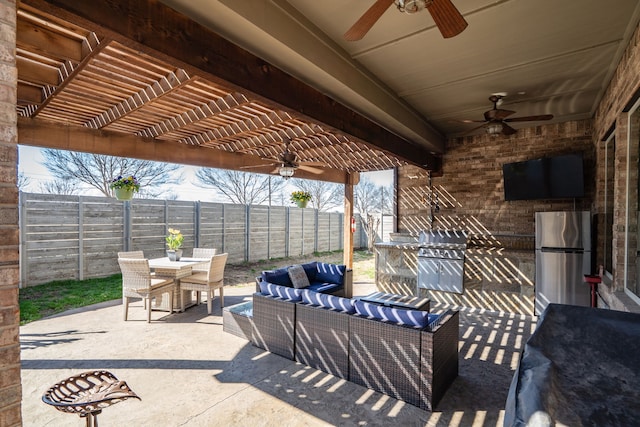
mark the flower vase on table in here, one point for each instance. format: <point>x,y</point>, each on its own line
<point>174,241</point>
<point>174,255</point>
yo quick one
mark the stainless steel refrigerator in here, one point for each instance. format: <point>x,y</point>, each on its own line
<point>563,257</point>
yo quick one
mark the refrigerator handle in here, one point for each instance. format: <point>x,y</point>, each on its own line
<point>562,250</point>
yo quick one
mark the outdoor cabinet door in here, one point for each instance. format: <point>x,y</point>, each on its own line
<point>429,274</point>
<point>451,276</point>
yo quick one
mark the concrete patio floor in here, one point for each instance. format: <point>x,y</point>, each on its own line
<point>189,372</point>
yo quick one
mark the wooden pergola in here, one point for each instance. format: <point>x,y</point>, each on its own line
<point>137,79</point>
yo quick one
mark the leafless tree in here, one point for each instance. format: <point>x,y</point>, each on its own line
<point>324,195</point>
<point>243,188</point>
<point>371,226</point>
<point>370,201</point>
<point>23,181</point>
<point>59,186</point>
<point>97,171</point>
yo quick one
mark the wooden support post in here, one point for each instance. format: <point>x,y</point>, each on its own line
<point>346,232</point>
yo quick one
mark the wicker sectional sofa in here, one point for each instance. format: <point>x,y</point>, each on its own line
<point>415,364</point>
<point>320,277</point>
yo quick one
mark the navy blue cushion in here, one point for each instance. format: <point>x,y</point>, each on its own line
<point>278,277</point>
<point>433,318</point>
<point>284,292</point>
<point>330,273</point>
<point>328,301</point>
<point>400,316</point>
<point>311,269</point>
<point>327,288</point>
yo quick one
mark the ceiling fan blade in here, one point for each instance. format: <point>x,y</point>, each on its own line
<point>508,130</point>
<point>321,164</point>
<point>257,166</point>
<point>310,169</point>
<point>497,114</point>
<point>367,20</point>
<point>530,118</point>
<point>469,121</point>
<point>449,20</point>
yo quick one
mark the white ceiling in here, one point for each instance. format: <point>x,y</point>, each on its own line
<point>548,56</point>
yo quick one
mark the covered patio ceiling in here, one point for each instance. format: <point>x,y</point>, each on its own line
<point>137,79</point>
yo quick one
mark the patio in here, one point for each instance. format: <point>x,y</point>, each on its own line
<point>189,372</point>
<point>361,114</point>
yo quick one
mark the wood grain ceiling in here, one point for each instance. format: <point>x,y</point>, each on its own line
<point>73,76</point>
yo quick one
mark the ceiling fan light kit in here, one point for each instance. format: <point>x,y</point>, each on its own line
<point>286,171</point>
<point>494,128</point>
<point>412,6</point>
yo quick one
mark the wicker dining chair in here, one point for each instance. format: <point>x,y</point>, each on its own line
<point>207,282</point>
<point>131,254</point>
<point>202,253</point>
<point>137,282</point>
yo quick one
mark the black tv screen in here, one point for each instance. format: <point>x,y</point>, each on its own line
<point>559,177</point>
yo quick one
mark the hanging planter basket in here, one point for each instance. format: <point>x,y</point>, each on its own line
<point>123,193</point>
<point>124,187</point>
<point>300,198</point>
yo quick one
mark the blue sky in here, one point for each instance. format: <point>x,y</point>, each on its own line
<point>30,163</point>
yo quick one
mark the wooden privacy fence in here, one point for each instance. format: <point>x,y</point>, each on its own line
<point>78,237</point>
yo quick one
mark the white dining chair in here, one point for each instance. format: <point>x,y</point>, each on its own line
<point>202,253</point>
<point>137,282</point>
<point>207,281</point>
<point>131,254</point>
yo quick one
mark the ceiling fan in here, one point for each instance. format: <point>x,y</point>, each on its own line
<point>286,163</point>
<point>447,18</point>
<point>495,120</point>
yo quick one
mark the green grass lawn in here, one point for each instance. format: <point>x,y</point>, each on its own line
<point>50,298</point>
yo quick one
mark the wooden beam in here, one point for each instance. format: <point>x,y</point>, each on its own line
<point>156,29</point>
<point>28,94</point>
<point>241,129</point>
<point>211,109</point>
<point>69,70</point>
<point>34,72</point>
<point>347,235</point>
<point>163,86</point>
<point>46,134</point>
<point>47,42</point>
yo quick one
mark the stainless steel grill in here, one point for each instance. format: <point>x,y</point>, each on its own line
<point>441,260</point>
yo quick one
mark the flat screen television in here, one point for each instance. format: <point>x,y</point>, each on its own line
<point>558,177</point>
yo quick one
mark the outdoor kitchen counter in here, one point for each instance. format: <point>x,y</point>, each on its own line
<point>495,278</point>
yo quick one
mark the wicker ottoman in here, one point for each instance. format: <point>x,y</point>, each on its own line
<point>238,320</point>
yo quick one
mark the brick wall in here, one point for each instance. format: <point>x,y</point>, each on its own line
<point>624,85</point>
<point>622,91</point>
<point>500,261</point>
<point>10,389</point>
<point>470,191</point>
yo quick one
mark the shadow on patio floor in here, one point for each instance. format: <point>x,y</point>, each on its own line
<point>189,372</point>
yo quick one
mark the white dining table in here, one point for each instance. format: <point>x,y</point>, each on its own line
<point>163,267</point>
